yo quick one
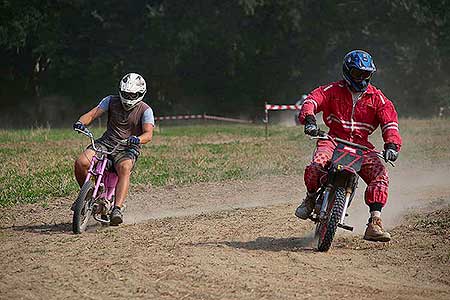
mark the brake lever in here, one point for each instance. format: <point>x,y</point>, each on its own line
<point>85,132</point>
<point>385,160</point>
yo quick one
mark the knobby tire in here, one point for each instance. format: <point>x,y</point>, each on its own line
<point>326,234</point>
<point>82,213</point>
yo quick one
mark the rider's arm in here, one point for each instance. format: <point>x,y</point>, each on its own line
<point>147,133</point>
<point>313,103</point>
<point>148,123</point>
<point>96,112</point>
<point>388,118</point>
<point>91,115</point>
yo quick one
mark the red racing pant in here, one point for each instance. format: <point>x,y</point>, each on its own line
<point>373,172</point>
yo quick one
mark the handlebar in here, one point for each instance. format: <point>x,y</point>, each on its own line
<point>322,135</point>
<point>91,136</point>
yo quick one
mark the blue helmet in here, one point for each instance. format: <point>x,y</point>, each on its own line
<point>358,68</point>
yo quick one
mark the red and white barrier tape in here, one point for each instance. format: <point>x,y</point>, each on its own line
<point>204,117</point>
<point>226,119</point>
<point>182,117</point>
<point>283,107</point>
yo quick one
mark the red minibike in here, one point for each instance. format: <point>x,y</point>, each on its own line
<point>338,188</point>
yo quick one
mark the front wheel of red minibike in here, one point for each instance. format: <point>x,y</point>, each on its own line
<point>326,229</point>
<point>83,210</point>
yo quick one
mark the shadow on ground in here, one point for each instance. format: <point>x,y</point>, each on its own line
<point>65,228</point>
<point>270,244</point>
<point>43,228</point>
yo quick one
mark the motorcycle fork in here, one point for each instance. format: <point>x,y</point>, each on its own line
<point>338,178</point>
<point>350,188</point>
<point>326,196</point>
<point>327,192</point>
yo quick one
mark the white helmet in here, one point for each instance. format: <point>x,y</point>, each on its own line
<point>132,90</point>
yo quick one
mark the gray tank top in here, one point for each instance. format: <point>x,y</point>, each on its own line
<point>122,123</point>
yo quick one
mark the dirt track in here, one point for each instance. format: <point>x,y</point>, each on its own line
<point>234,240</point>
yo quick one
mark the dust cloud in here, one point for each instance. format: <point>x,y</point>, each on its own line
<point>410,188</point>
<point>211,197</point>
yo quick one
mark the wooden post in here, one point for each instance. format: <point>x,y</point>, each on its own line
<point>266,121</point>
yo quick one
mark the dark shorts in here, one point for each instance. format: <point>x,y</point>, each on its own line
<point>119,155</point>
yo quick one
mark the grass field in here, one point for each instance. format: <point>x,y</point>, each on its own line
<point>37,164</point>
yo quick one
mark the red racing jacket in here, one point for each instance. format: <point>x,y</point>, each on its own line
<point>353,122</point>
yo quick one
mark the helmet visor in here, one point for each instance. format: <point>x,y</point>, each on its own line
<point>360,75</point>
<point>130,96</point>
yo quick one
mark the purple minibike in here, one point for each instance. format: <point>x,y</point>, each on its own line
<point>97,195</point>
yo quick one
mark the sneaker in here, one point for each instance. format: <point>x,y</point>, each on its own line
<point>106,219</point>
<point>306,208</point>
<point>375,232</point>
<point>116,216</point>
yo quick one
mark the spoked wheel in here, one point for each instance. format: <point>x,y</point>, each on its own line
<point>326,228</point>
<point>83,208</point>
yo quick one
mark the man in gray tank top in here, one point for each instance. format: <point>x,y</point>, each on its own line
<point>129,118</point>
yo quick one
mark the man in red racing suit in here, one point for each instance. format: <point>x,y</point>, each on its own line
<point>352,109</point>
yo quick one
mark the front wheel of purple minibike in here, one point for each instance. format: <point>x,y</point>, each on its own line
<point>83,208</point>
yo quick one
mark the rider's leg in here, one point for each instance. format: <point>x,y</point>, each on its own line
<point>81,168</point>
<point>375,174</point>
<point>82,165</point>
<point>123,169</point>
<point>313,174</point>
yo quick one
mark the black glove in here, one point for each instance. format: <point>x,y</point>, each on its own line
<point>78,125</point>
<point>311,126</point>
<point>133,140</point>
<point>390,152</point>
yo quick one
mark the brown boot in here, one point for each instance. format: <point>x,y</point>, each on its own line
<point>306,207</point>
<point>375,231</point>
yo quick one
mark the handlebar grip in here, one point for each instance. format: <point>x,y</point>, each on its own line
<point>321,133</point>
